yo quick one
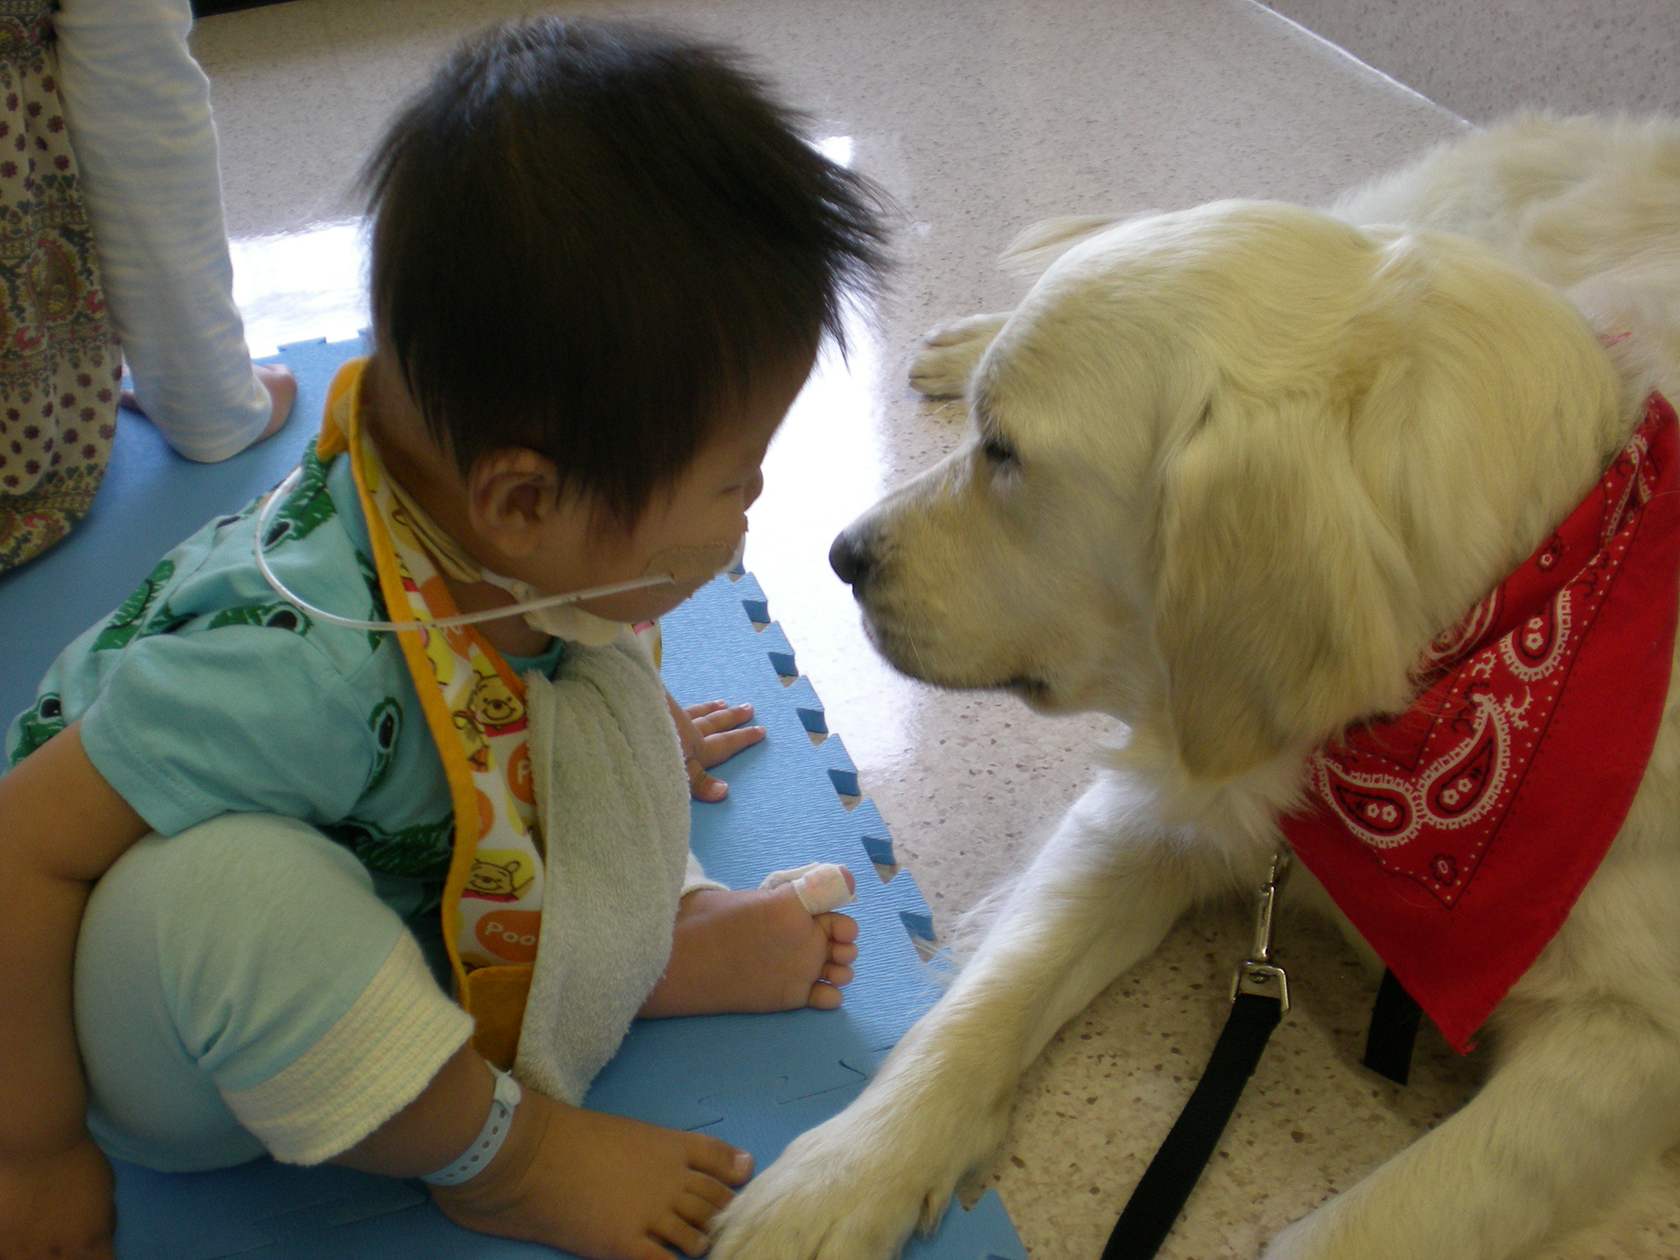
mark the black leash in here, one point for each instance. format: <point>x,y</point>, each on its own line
<point>1177,1166</point>
<point>1394,1025</point>
<point>1260,996</point>
<point>1259,999</point>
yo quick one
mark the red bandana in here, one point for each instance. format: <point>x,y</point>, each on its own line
<point>1458,835</point>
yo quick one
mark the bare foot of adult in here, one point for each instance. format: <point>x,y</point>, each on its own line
<point>276,378</point>
<point>597,1185</point>
<point>754,950</point>
<point>281,385</point>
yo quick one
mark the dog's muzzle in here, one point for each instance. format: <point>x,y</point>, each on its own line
<point>851,557</point>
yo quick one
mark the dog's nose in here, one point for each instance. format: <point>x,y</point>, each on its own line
<point>849,556</point>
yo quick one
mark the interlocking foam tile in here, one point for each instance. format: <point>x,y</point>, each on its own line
<point>756,1081</point>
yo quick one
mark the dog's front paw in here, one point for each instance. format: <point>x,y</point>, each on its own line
<point>1319,1235</point>
<point>833,1195</point>
<point>949,352</point>
<point>1293,1243</point>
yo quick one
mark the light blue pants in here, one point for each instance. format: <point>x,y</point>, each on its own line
<point>209,961</point>
<point>138,106</point>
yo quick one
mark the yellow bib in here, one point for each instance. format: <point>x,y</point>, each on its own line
<point>475,708</point>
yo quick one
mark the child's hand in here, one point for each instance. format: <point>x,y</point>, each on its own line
<point>57,1205</point>
<point>711,733</point>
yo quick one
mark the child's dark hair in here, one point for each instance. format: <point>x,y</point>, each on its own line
<point>593,239</point>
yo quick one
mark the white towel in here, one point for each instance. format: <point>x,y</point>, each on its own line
<point>613,800</point>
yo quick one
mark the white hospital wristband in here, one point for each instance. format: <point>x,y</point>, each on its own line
<point>477,1157</point>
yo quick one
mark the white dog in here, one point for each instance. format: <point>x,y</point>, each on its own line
<point>1231,471</point>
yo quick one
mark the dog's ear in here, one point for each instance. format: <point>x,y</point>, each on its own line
<point>1031,253</point>
<point>1277,581</point>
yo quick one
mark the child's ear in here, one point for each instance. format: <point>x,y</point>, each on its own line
<point>511,496</point>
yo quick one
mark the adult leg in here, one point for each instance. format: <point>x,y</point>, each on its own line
<point>138,110</point>
<point>240,988</point>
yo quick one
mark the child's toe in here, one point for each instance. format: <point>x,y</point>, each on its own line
<point>825,997</point>
<point>844,954</point>
<point>683,1236</point>
<point>837,974</point>
<point>695,1210</point>
<point>717,1159</point>
<point>841,928</point>
<point>708,1190</point>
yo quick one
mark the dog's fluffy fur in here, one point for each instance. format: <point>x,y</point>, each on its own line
<point>1230,470</point>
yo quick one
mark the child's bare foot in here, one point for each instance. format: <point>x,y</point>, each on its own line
<point>754,950</point>
<point>597,1185</point>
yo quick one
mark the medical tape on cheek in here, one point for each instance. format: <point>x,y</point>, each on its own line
<point>690,568</point>
<point>820,886</point>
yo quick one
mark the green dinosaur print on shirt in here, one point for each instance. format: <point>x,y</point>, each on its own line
<point>386,724</point>
<point>165,621</point>
<point>376,610</point>
<point>307,507</point>
<point>39,725</point>
<point>421,850</point>
<point>126,621</point>
<point>277,615</point>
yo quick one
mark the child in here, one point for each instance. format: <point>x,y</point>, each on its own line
<point>602,265</point>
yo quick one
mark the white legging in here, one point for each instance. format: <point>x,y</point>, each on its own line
<point>138,108</point>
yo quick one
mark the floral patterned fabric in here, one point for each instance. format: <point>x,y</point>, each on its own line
<point>59,361</point>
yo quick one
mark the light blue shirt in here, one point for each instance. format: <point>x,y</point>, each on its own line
<point>205,693</point>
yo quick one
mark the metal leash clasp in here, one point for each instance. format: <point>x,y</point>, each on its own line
<point>1257,974</point>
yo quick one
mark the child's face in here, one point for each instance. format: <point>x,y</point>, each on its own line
<point>706,507</point>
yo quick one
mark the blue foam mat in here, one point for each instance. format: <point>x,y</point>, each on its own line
<point>756,1081</point>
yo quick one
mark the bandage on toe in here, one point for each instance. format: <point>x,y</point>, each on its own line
<point>820,886</point>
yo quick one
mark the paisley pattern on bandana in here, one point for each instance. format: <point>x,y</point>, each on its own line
<point>1457,835</point>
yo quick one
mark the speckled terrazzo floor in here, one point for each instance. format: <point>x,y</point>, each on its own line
<point>1482,60</point>
<point>980,116</point>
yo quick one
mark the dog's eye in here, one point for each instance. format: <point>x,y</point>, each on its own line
<point>998,451</point>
